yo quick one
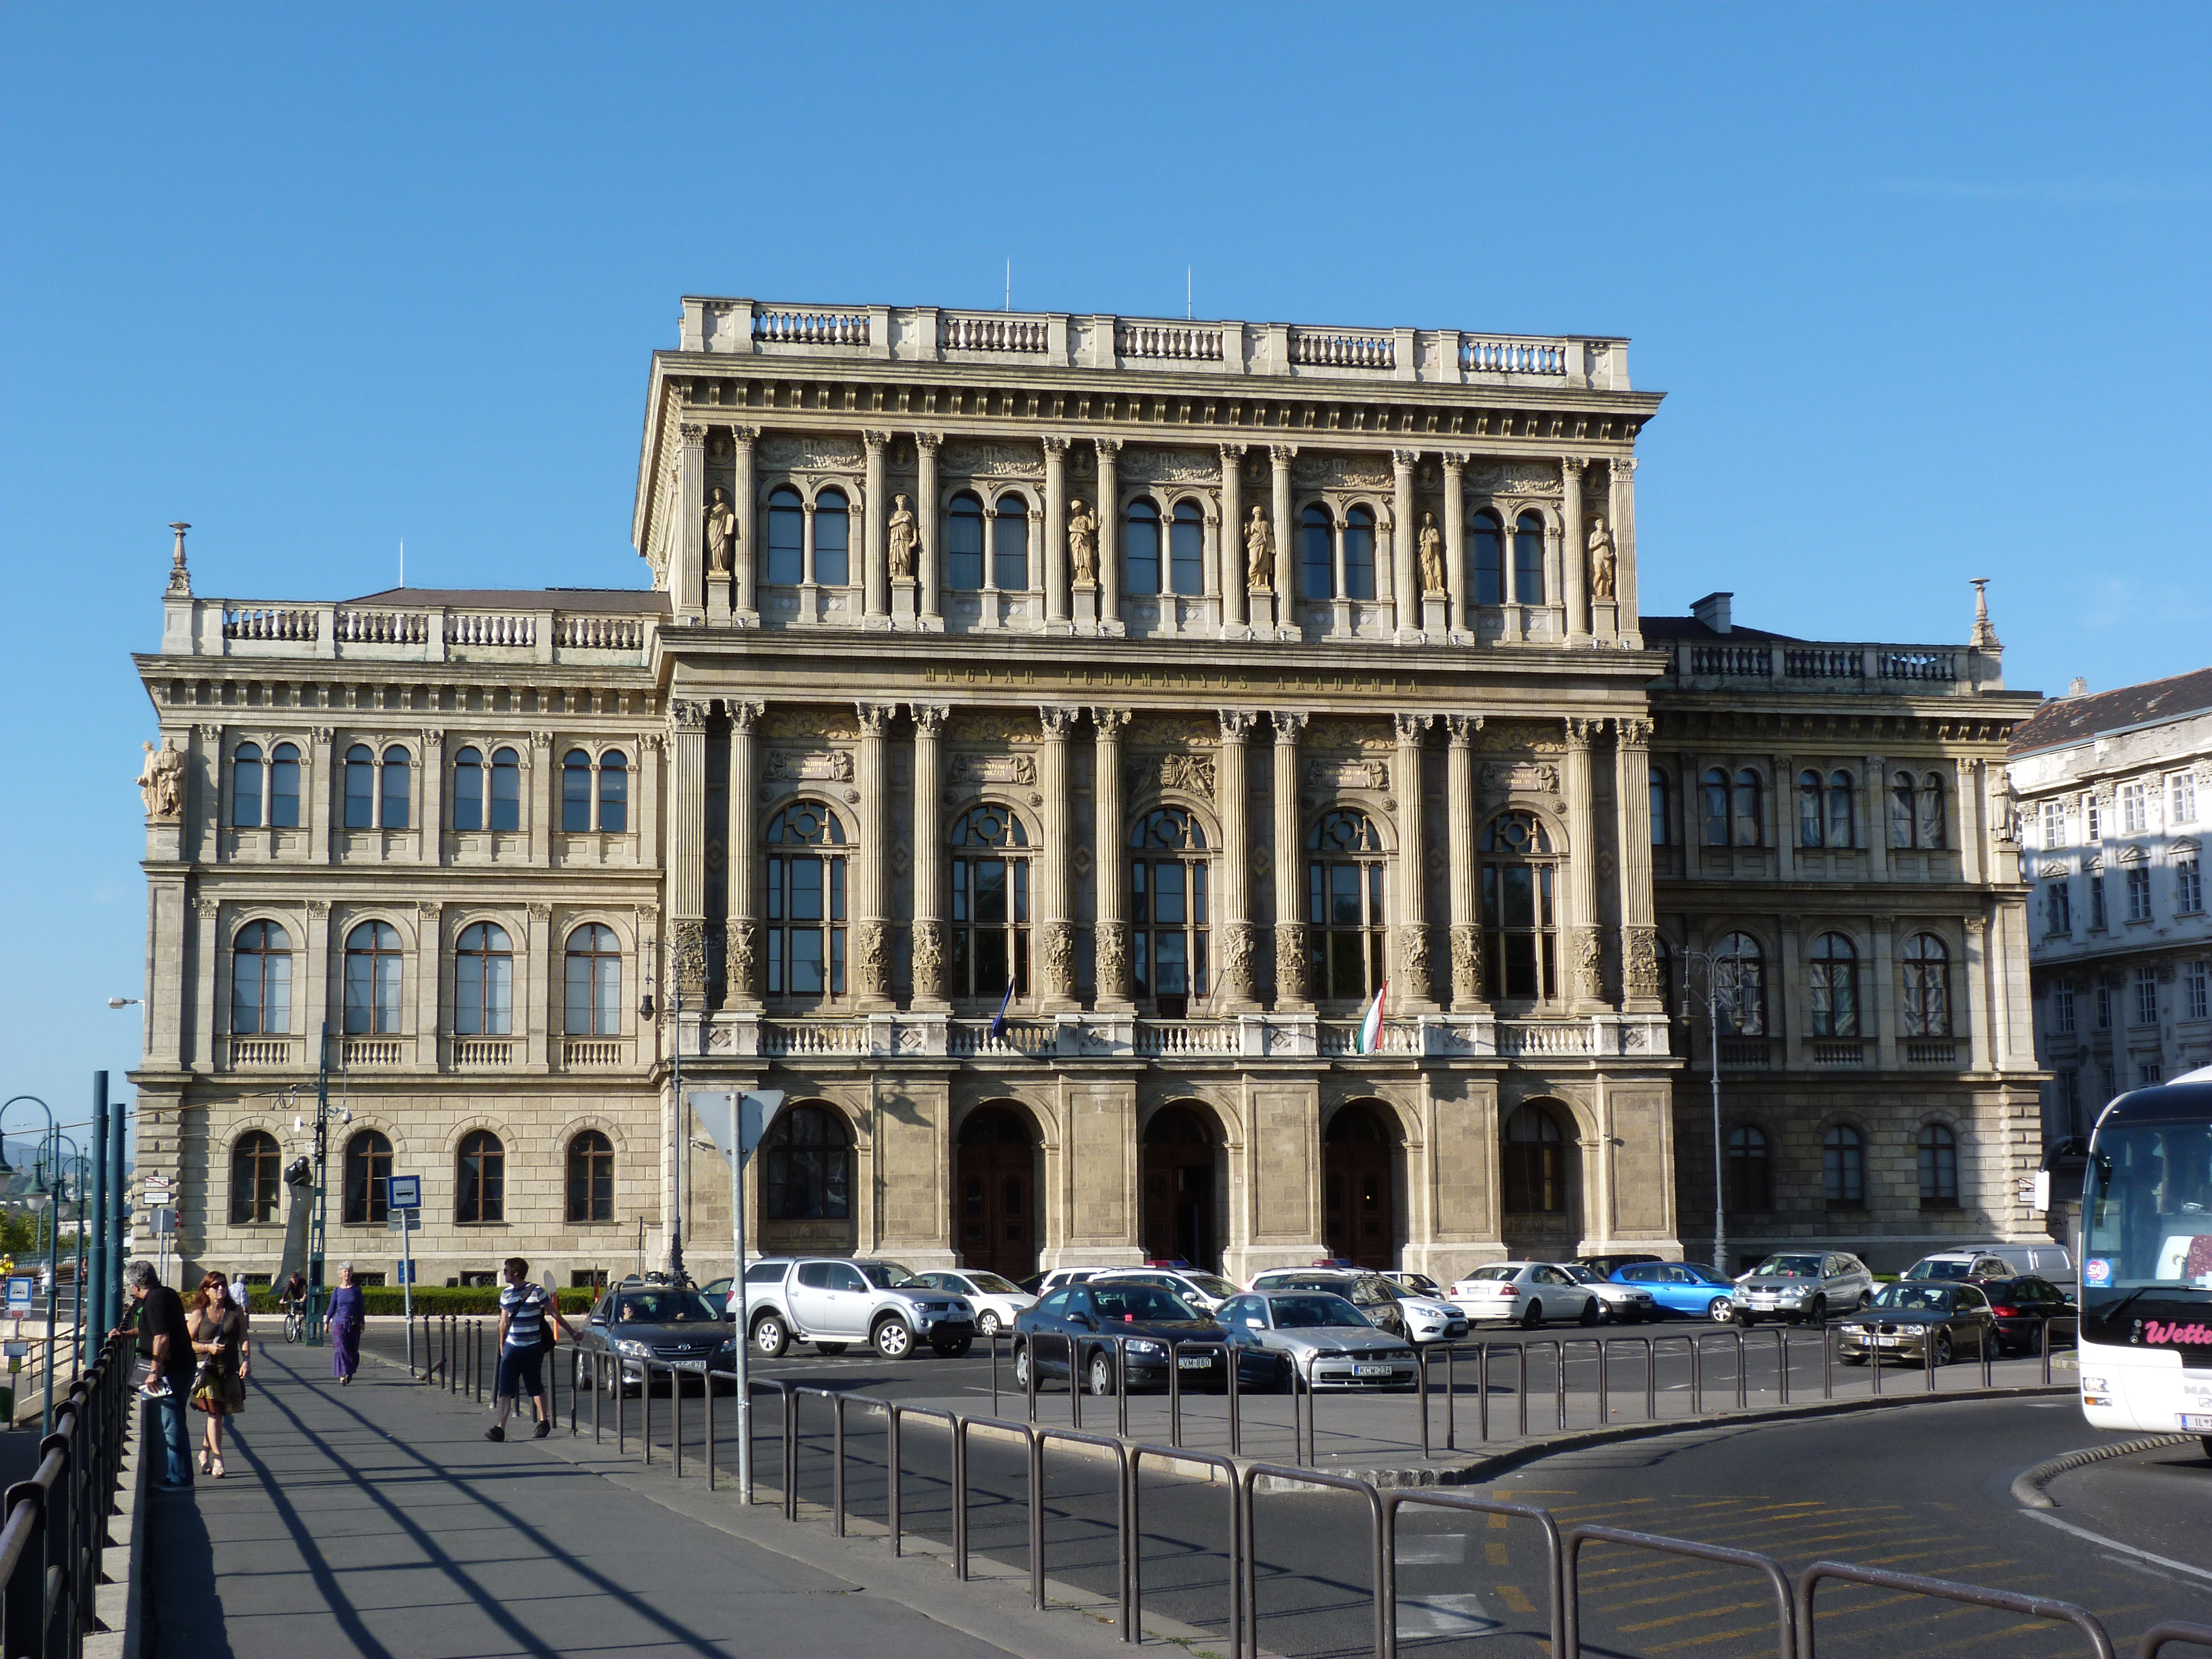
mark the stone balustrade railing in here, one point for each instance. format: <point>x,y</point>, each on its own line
<point>990,331</point>
<point>1497,355</point>
<point>1880,669</point>
<point>236,628</point>
<point>1185,342</point>
<point>242,621</point>
<point>830,328</point>
<point>1325,349</point>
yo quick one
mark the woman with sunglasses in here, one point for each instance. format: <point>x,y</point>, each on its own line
<point>222,1340</point>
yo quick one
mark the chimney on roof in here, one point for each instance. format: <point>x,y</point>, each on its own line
<point>1712,610</point>
<point>2077,687</point>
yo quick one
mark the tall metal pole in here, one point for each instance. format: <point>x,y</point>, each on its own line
<point>738,1295</point>
<point>53,1282</point>
<point>100,1272</point>
<point>1713,1066</point>
<point>321,1213</point>
<point>676,1209</point>
<point>119,1127</point>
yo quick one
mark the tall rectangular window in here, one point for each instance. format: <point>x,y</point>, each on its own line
<point>2104,1005</point>
<point>2146,996</point>
<point>2062,1008</point>
<point>2197,990</point>
<point>2092,819</point>
<point>2181,798</point>
<point>2147,1075</point>
<point>2188,887</point>
<point>2054,824</point>
<point>2133,817</point>
<point>2058,907</point>
<point>2097,904</point>
<point>2138,893</point>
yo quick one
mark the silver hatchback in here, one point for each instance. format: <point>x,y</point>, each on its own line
<point>1803,1285</point>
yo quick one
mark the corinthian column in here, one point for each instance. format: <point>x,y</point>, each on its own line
<point>1466,918</point>
<point>740,941</point>
<point>687,581</point>
<point>1624,548</point>
<point>1054,930</point>
<point>1574,554</point>
<point>1585,952</point>
<point>1109,535</point>
<point>1405,571</point>
<point>1287,595</point>
<point>1414,990</point>
<point>1055,533</point>
<point>931,512</point>
<point>1640,991</point>
<point>876,559</point>
<point>1456,575</point>
<point>744,557</point>
<point>1292,991</point>
<point>688,875</point>
<point>1236,574</point>
<point>1232,895</point>
<point>928,874</point>
<point>872,915</point>
<point>1110,936</point>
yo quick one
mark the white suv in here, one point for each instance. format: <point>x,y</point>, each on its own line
<point>834,1302</point>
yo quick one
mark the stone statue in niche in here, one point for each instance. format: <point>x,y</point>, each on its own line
<point>161,780</point>
<point>904,538</point>
<point>1601,560</point>
<point>722,531</point>
<point>1083,544</point>
<point>1260,552</point>
<point>1432,555</point>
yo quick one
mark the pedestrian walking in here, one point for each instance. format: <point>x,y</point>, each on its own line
<point>166,1342</point>
<point>221,1338</point>
<point>347,1312</point>
<point>525,1338</point>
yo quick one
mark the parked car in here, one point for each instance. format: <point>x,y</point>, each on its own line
<point>1418,1284</point>
<point>1951,1265</point>
<point>1526,1293</point>
<point>1805,1285</point>
<point>834,1302</point>
<point>2021,1308</point>
<point>1320,1338</point>
<point>1068,1334</point>
<point>1388,1305</point>
<point>1044,1284</point>
<point>635,1323</point>
<point>2046,1260</point>
<point>1607,1266</point>
<point>717,1293</point>
<point>1624,1304</point>
<point>1689,1288</point>
<point>1906,1320</point>
<point>1203,1291</point>
<point>996,1300</point>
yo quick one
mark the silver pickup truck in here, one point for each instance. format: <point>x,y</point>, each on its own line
<point>834,1302</point>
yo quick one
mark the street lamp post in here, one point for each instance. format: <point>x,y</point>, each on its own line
<point>1713,1065</point>
<point>52,1304</point>
<point>676,1084</point>
<point>61,1196</point>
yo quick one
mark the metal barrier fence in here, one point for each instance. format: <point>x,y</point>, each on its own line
<point>56,1525</point>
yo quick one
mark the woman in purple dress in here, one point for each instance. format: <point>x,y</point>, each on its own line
<point>345,1319</point>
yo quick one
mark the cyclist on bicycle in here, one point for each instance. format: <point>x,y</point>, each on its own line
<point>293,1298</point>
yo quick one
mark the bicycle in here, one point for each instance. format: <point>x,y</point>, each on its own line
<point>296,1320</point>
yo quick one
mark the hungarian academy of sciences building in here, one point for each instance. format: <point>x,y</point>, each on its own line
<point>1039,740</point>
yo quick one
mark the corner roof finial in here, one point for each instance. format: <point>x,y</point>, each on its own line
<point>181,579</point>
<point>1985,636</point>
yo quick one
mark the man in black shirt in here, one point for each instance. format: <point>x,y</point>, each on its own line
<point>165,1342</point>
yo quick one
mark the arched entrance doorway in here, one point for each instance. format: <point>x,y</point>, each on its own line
<point>1541,1180</point>
<point>1360,1159</point>
<point>1180,1158</point>
<point>994,1192</point>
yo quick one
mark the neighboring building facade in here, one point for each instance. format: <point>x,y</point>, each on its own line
<point>2115,792</point>
<point>1194,680</point>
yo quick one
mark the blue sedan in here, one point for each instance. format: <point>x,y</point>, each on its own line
<point>1688,1288</point>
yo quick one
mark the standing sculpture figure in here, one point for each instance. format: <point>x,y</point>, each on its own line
<point>162,779</point>
<point>722,530</point>
<point>1259,551</point>
<point>1432,555</point>
<point>905,536</point>
<point>1601,560</point>
<point>1083,544</point>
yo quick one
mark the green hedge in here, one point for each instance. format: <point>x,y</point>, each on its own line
<point>482,1299</point>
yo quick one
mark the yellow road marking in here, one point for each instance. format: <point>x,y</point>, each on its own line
<point>1711,1636</point>
<point>1514,1600</point>
<point>1680,1618</point>
<point>1495,1554</point>
<point>1498,1522</point>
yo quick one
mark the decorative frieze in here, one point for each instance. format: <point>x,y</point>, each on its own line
<point>1520,778</point>
<point>796,766</point>
<point>798,452</point>
<point>962,767</point>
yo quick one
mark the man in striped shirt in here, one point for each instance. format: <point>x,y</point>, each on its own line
<point>523,1339</point>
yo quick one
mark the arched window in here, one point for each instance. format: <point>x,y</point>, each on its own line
<point>468,790</point>
<point>808,1168</point>
<point>575,791</point>
<point>1344,905</point>
<point>1740,985</point>
<point>806,902</point>
<point>484,981</point>
<point>1529,559</point>
<point>254,1177</point>
<point>284,788</point>
<point>990,904</point>
<point>480,1179</point>
<point>1843,1166</point>
<point>372,980</point>
<point>245,787</point>
<point>1748,819</point>
<point>1916,810</point>
<point>1534,1164</point>
<point>1750,1172</point>
<point>506,790</point>
<point>1168,909</point>
<point>593,982</point>
<point>1662,811</point>
<point>1316,554</point>
<point>1938,1168</point>
<point>396,790</point>
<point>1520,920</point>
<point>591,1177</point>
<point>1843,829</point>
<point>833,539</point>
<point>1489,538</point>
<point>1141,547</point>
<point>1359,554</point>
<point>368,1167</point>
<point>1832,987</point>
<point>360,788</point>
<point>1927,987</point>
<point>964,543</point>
<point>1010,544</point>
<point>787,536</point>
<point>614,792</point>
<point>1187,550</point>
<point>260,981</point>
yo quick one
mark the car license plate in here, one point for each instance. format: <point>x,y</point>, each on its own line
<point>1371,1370</point>
<point>2197,1421</point>
<point>1203,1362</point>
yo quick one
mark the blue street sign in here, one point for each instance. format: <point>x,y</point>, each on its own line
<point>404,1192</point>
<point>21,1287</point>
<point>406,1273</point>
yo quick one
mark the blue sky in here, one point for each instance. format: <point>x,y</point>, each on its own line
<point>1926,287</point>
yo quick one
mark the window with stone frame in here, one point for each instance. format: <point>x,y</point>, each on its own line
<point>786,539</point>
<point>2181,798</point>
<point>2146,999</point>
<point>260,981</point>
<point>1358,553</point>
<point>480,1180</point>
<point>484,981</point>
<point>2062,1008</point>
<point>2134,817</point>
<point>807,1166</point>
<point>396,785</point>
<point>2138,877</point>
<point>1916,811</point>
<point>804,871</point>
<point>1529,559</point>
<point>1831,988</point>
<point>2197,989</point>
<point>2104,1001</point>
<point>591,1177</point>
<point>1520,915</point>
<point>1926,1009</point>
<point>1843,1167</point>
<point>245,787</point>
<point>1825,815</point>
<point>1486,551</point>
<point>591,982</point>
<point>833,539</point>
<point>377,794</point>
<point>614,793</point>
<point>963,542</point>
<point>1010,544</point>
<point>1660,812</point>
<point>1739,970</point>
<point>2058,907</point>
<point>2093,819</point>
<point>1750,1170</point>
<point>1164,556</point>
<point>2053,816</point>
<point>1169,910</point>
<point>373,972</point>
<point>1733,814</point>
<point>989,915</point>
<point>1938,1160</point>
<point>1533,1163</point>
<point>487,796</point>
<point>255,1161</point>
<point>368,1168</point>
<point>1347,916</point>
<point>1317,553</point>
<point>2188,883</point>
<point>360,788</point>
<point>2097,904</point>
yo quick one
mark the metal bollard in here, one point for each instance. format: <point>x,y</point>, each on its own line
<point>599,1393</point>
<point>837,1463</point>
<point>993,1340</point>
<point>1697,1373</point>
<point>1074,1385</point>
<point>1236,1422</point>
<point>644,1408</point>
<point>1559,1384</point>
<point>621,1408</point>
<point>1421,1382</point>
<point>1121,1382</point>
<point>1175,1398</point>
<point>676,1415</point>
<point>1827,1362</point>
<point>1782,1359</point>
<point>1742,1374</point>
<point>1651,1379</point>
<point>1604,1390</point>
<point>1928,1357</point>
<point>710,1380</point>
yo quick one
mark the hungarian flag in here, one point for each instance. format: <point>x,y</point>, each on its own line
<point>1370,1023</point>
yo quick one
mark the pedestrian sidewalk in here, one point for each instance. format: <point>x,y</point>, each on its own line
<point>376,1520</point>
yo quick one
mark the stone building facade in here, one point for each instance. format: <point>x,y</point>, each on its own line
<point>2115,792</point>
<point>1041,739</point>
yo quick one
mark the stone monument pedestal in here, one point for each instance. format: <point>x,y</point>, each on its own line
<point>1436,619</point>
<point>902,606</point>
<point>1084,596</point>
<point>1605,619</point>
<point>1259,606</point>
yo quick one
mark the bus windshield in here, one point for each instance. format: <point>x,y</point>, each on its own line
<point>2146,1218</point>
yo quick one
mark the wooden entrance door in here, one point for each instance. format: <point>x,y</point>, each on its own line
<point>994,1193</point>
<point>1178,1188</point>
<point>1359,1162</point>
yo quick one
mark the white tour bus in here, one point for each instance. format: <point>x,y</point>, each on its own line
<point>2146,1262</point>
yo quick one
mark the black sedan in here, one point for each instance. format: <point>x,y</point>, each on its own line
<point>2021,1308</point>
<point>635,1324</point>
<point>1075,1329</point>
<point>1912,1317</point>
